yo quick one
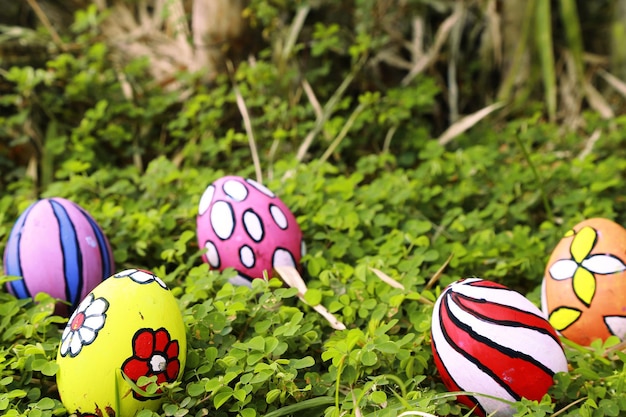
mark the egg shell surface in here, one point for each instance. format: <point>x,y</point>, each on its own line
<point>244,225</point>
<point>489,339</point>
<point>129,326</point>
<point>56,247</point>
<point>584,284</point>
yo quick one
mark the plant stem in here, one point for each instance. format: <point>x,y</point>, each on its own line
<point>544,196</point>
<point>543,24</point>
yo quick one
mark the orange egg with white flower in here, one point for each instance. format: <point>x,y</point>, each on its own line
<point>121,344</point>
<point>584,285</point>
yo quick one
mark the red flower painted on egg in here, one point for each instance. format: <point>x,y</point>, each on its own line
<point>244,225</point>
<point>154,353</point>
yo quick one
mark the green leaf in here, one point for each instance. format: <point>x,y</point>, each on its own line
<point>302,363</point>
<point>195,389</point>
<point>50,369</point>
<point>221,398</point>
<point>387,347</point>
<point>313,297</point>
<point>256,343</point>
<point>272,395</point>
<point>369,358</point>
<point>378,397</point>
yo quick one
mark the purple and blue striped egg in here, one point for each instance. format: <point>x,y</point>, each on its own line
<point>488,339</point>
<point>245,226</point>
<point>57,248</point>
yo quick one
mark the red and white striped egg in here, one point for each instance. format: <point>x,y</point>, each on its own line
<point>56,247</point>
<point>244,225</point>
<point>489,339</point>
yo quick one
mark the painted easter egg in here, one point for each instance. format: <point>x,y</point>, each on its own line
<point>56,247</point>
<point>244,225</point>
<point>488,339</point>
<point>584,284</point>
<point>129,326</point>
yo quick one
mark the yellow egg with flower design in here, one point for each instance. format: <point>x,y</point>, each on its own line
<point>128,327</point>
<point>584,285</point>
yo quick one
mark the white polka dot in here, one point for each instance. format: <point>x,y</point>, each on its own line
<point>302,248</point>
<point>235,190</point>
<point>283,257</point>
<point>222,219</point>
<point>239,280</point>
<point>205,200</point>
<point>246,255</point>
<point>278,216</point>
<point>261,188</point>
<point>212,255</point>
<point>253,225</point>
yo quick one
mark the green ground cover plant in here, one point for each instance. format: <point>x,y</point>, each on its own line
<point>359,164</point>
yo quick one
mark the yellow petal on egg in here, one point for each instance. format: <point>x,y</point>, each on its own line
<point>570,232</point>
<point>583,242</point>
<point>584,283</point>
<point>563,317</point>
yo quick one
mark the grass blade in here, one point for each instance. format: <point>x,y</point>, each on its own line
<point>543,25</point>
<point>329,109</point>
<point>344,131</point>
<point>466,122</point>
<point>613,81</point>
<point>520,51</point>
<point>302,406</point>
<point>618,39</point>
<point>571,22</point>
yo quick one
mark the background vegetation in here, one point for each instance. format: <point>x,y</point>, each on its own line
<point>400,133</point>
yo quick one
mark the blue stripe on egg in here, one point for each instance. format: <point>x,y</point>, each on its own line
<point>105,256</point>
<point>72,257</point>
<point>13,260</point>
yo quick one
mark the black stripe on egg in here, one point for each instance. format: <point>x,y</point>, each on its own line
<point>13,257</point>
<point>72,254</point>
<point>458,298</point>
<point>518,306</point>
<point>444,350</point>
<point>495,355</point>
<point>105,255</point>
<point>500,348</point>
<point>483,367</point>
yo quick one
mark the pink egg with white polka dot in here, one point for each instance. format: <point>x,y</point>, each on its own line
<point>244,225</point>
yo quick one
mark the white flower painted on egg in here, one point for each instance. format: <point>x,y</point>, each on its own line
<point>141,277</point>
<point>84,324</point>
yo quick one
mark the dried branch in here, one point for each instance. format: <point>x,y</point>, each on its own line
<point>466,122</point>
<point>241,104</point>
<point>46,22</point>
